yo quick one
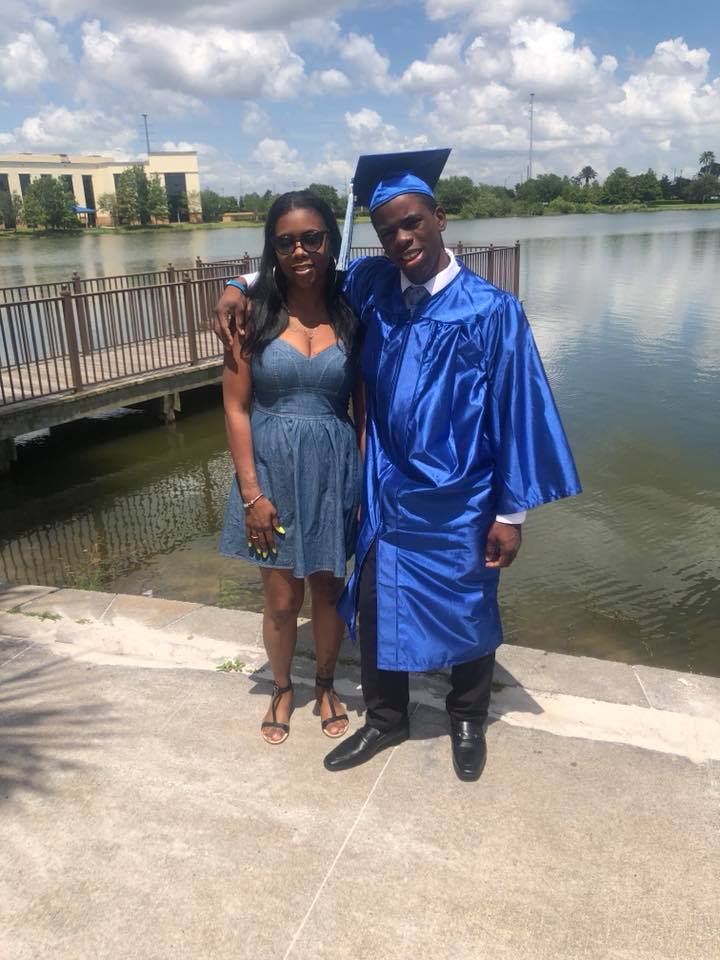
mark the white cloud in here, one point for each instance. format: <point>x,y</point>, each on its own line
<point>33,58</point>
<point>546,60</point>
<point>214,63</point>
<point>370,134</point>
<point>58,129</point>
<point>254,119</point>
<point>197,14</point>
<point>329,81</point>
<point>367,65</point>
<point>422,77</point>
<point>497,13</point>
<point>673,57</point>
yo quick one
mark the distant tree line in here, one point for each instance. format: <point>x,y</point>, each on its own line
<point>142,199</point>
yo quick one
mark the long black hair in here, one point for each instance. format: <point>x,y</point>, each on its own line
<point>268,316</point>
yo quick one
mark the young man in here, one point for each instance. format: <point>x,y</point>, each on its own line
<point>462,437</point>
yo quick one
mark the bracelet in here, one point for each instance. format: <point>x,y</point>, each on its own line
<point>251,503</point>
<point>242,287</point>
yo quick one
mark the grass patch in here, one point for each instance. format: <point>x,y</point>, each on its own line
<point>41,615</point>
<point>231,666</point>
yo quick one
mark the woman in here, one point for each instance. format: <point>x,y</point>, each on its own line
<point>292,510</point>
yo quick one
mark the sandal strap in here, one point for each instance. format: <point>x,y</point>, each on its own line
<point>277,692</point>
<point>275,724</point>
<point>326,683</point>
<point>334,719</point>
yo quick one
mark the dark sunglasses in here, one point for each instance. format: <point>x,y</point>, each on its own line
<point>310,241</point>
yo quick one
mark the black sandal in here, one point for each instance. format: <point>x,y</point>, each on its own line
<point>326,684</point>
<point>275,724</point>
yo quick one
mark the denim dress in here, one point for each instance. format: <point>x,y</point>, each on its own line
<point>306,458</point>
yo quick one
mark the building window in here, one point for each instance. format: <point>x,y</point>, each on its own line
<point>67,181</point>
<point>4,183</point>
<point>89,191</point>
<point>24,183</point>
<point>176,189</point>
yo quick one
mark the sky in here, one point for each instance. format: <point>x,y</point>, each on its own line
<point>275,94</point>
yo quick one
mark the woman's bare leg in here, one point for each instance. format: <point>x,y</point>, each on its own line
<point>284,595</point>
<point>328,629</point>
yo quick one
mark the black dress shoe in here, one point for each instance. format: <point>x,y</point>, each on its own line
<point>469,749</point>
<point>364,744</point>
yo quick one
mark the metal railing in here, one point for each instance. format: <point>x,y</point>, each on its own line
<point>100,330</point>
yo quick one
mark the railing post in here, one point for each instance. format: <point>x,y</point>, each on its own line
<point>516,269</point>
<point>174,312</point>
<point>81,315</point>
<point>459,248</point>
<point>245,262</point>
<point>71,338</point>
<point>491,264</point>
<point>190,319</point>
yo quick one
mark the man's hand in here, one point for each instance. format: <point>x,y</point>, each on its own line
<point>230,313</point>
<point>503,543</point>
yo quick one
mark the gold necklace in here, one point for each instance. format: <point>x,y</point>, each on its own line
<point>308,331</point>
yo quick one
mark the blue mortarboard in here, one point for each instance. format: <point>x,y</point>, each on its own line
<point>381,176</point>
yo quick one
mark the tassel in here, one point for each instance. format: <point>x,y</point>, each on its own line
<point>344,256</point>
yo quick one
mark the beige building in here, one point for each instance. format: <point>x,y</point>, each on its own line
<point>89,177</point>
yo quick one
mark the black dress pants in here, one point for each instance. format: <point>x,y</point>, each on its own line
<point>387,692</point>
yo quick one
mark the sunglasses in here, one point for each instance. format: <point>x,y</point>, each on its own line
<point>310,241</point>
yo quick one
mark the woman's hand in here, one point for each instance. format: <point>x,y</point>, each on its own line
<point>230,313</point>
<point>261,521</point>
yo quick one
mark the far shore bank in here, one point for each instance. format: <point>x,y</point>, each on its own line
<point>10,234</point>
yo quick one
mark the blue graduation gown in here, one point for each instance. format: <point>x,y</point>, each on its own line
<point>461,426</point>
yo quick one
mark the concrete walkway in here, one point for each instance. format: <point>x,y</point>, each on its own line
<point>143,818</point>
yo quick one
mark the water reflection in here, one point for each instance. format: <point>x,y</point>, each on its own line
<point>627,322</point>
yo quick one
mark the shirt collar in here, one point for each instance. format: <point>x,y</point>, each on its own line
<point>435,284</point>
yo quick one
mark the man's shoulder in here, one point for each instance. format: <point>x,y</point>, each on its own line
<point>484,297</point>
<point>371,266</point>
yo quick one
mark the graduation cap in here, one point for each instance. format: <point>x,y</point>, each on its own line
<point>380,177</point>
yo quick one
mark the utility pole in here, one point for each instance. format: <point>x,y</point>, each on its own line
<point>530,158</point>
<point>147,135</point>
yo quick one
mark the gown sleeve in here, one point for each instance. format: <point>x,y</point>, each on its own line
<point>357,284</point>
<point>533,463</point>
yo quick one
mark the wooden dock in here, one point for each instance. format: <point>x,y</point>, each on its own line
<point>71,350</point>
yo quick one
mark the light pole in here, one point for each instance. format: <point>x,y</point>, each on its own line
<point>147,135</point>
<point>530,155</point>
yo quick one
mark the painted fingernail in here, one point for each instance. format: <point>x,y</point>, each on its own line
<point>274,550</point>
<point>265,556</point>
<point>280,529</point>
<point>250,544</point>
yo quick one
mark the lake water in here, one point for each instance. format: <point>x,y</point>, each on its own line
<point>625,312</point>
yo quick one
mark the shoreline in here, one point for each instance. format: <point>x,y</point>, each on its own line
<point>9,234</point>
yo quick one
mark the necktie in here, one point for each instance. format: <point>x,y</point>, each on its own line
<point>415,296</point>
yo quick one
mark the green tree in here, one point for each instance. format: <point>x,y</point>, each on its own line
<point>330,196</point>
<point>618,187</point>
<point>587,174</point>
<point>213,206</point>
<point>7,210</point>
<point>453,193</point>
<point>128,205</point>
<point>706,160</point>
<point>108,203</point>
<point>156,200</point>
<point>704,187</point>
<point>666,187</point>
<point>47,202</point>
<point>231,205</point>
<point>646,187</point>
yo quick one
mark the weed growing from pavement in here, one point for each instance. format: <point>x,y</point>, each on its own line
<point>231,666</point>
